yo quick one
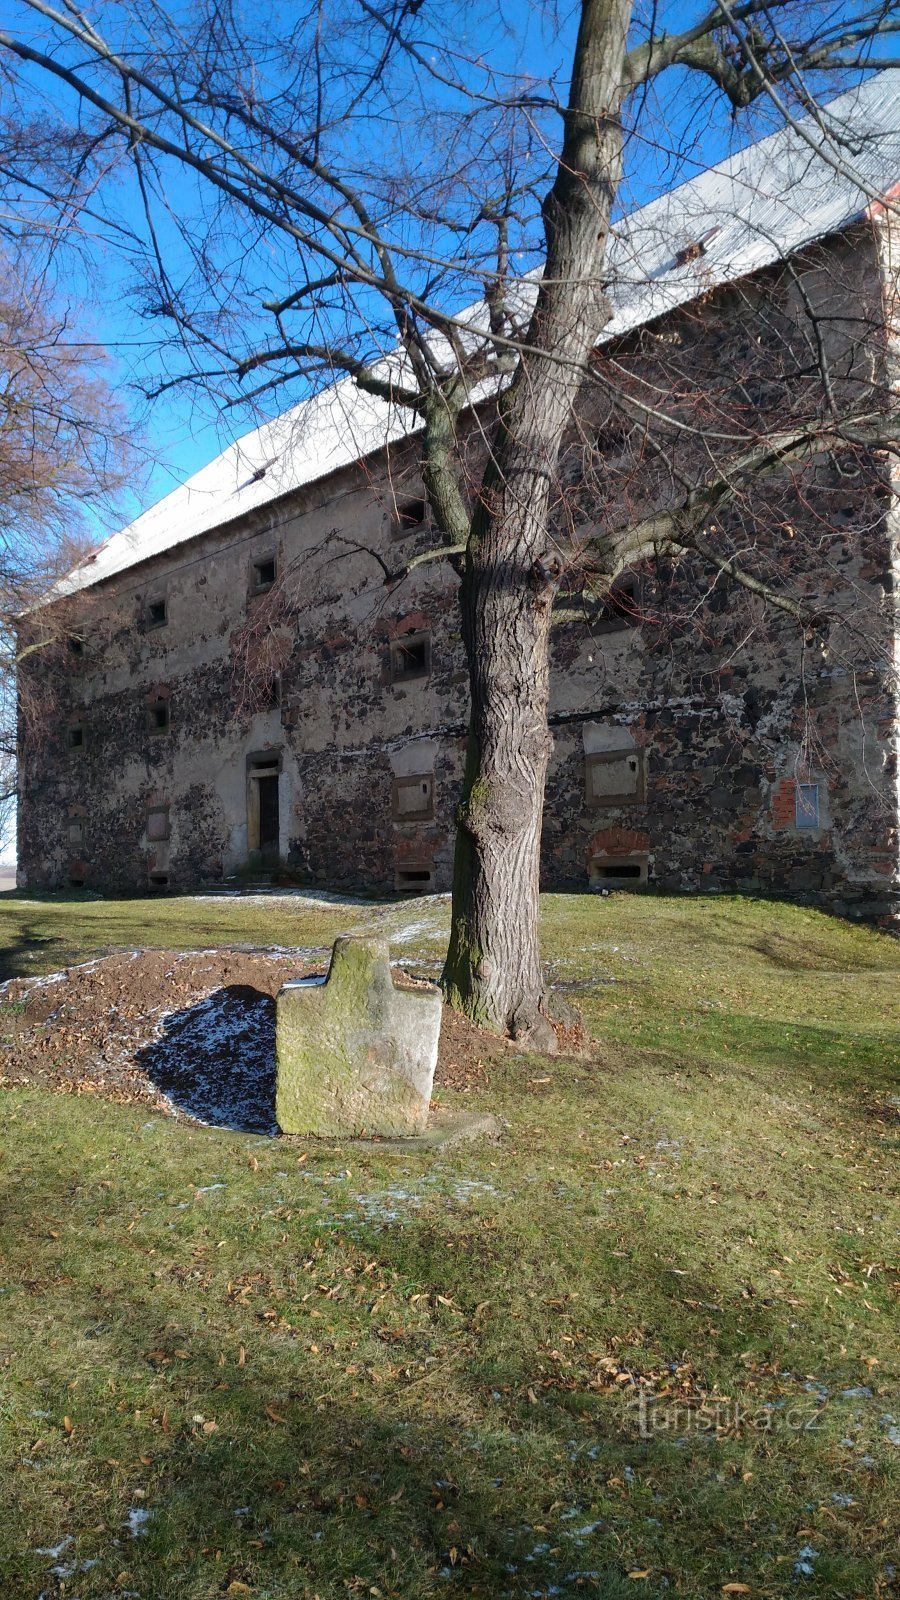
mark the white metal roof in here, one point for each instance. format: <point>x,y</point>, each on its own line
<point>750,210</point>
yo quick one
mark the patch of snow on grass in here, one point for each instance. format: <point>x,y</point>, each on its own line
<point>398,1203</point>
<point>56,1550</point>
<point>216,1060</point>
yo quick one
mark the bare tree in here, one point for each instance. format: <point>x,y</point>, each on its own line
<point>62,454</point>
<point>317,201</point>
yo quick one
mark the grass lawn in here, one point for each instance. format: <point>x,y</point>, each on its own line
<point>645,1345</point>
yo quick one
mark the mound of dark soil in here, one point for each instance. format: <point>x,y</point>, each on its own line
<point>188,1033</point>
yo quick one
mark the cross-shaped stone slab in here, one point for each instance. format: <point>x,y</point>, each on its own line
<point>355,1054</point>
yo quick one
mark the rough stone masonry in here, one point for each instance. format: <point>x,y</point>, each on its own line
<point>239,690</point>
<point>355,1053</point>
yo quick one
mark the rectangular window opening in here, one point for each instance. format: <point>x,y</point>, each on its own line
<point>158,718</point>
<point>75,882</point>
<point>806,805</point>
<point>410,656</point>
<point>157,823</point>
<point>413,880</point>
<point>262,574</point>
<point>76,645</point>
<point>615,778</point>
<point>158,880</point>
<point>76,736</point>
<point>413,798</point>
<point>410,515</point>
<point>271,693</point>
<point>157,613</point>
<point>76,833</point>
<point>618,872</point>
<point>620,608</point>
<point>611,438</point>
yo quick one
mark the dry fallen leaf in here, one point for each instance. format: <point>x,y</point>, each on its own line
<point>736,1588</point>
<point>273,1415</point>
<point>644,1572</point>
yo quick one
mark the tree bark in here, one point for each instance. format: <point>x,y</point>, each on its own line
<point>493,969</point>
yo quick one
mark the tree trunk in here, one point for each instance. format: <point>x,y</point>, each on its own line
<point>493,968</point>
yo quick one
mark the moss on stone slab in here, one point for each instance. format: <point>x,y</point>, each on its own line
<point>356,1054</point>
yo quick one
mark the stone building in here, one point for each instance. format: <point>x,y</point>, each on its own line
<point>233,686</point>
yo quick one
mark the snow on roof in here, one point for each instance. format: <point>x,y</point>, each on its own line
<point>748,212</point>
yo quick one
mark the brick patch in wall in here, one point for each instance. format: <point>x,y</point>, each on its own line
<point>618,842</point>
<point>416,848</point>
<point>784,803</point>
<point>413,622</point>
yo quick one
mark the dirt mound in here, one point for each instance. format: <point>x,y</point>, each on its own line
<point>188,1033</point>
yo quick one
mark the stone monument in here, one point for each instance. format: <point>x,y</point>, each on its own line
<point>355,1053</point>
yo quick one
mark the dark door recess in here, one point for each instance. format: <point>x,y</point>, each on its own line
<point>268,814</point>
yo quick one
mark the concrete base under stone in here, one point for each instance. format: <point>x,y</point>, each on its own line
<point>445,1129</point>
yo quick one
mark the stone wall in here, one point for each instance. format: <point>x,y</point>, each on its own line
<point>699,743</point>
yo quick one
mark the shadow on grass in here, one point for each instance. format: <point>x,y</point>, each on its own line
<point>216,1059</point>
<point>26,954</point>
<point>254,1471</point>
<point>782,1050</point>
<point>392,1445</point>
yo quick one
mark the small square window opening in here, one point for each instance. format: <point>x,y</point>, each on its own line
<point>806,805</point>
<point>621,608</point>
<point>409,517</point>
<point>271,693</point>
<point>410,656</point>
<point>76,645</point>
<point>262,574</point>
<point>157,613</point>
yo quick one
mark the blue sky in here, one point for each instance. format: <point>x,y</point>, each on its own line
<point>685,126</point>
